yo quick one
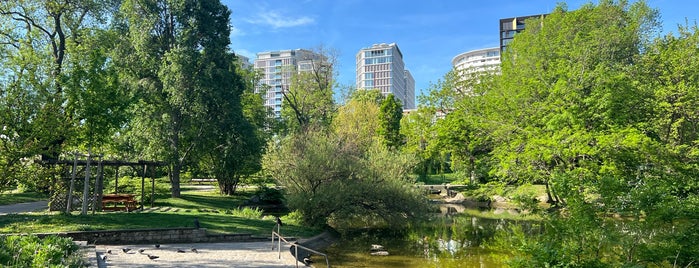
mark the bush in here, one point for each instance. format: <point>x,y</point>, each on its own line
<point>269,195</point>
<point>31,251</point>
<point>246,212</point>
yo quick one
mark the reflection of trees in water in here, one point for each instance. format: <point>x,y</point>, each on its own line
<point>459,236</point>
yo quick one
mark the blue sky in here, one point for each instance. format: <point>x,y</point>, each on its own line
<point>429,33</point>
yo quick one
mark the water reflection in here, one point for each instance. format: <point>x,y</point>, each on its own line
<point>453,241</point>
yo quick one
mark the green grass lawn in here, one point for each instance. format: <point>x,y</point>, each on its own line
<point>440,178</point>
<point>219,214</point>
<point>8,198</point>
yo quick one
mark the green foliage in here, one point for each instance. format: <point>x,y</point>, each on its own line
<point>584,105</point>
<point>132,185</point>
<point>329,180</point>
<point>246,213</point>
<point>358,120</point>
<point>390,114</point>
<point>309,100</point>
<point>31,251</point>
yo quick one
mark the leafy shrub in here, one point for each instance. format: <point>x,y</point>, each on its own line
<point>294,217</point>
<point>31,251</point>
<point>269,195</point>
<point>246,212</point>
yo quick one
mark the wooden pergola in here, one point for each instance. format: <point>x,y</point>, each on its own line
<point>98,192</point>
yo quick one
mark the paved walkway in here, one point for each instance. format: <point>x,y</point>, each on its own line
<point>24,207</point>
<point>238,254</point>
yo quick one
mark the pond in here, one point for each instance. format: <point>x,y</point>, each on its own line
<point>452,241</point>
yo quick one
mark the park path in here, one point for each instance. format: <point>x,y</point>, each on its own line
<point>24,207</point>
<point>238,254</point>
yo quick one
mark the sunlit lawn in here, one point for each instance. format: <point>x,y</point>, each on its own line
<point>11,197</point>
<point>213,211</point>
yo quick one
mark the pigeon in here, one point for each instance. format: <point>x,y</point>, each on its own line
<point>109,251</point>
<point>153,257</point>
<point>157,245</point>
<point>104,257</point>
<point>125,250</point>
<point>179,250</point>
<point>307,260</point>
<point>195,250</point>
<point>279,221</point>
<point>141,250</point>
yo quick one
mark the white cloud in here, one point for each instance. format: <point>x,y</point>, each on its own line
<point>276,20</point>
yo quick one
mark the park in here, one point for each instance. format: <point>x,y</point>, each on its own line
<point>131,134</point>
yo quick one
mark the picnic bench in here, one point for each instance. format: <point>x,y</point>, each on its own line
<point>115,202</point>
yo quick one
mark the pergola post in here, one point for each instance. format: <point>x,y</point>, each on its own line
<point>72,183</point>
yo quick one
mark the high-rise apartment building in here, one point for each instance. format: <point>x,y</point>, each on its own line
<point>381,67</point>
<point>511,26</point>
<point>244,61</point>
<point>469,65</point>
<point>478,61</point>
<point>277,68</point>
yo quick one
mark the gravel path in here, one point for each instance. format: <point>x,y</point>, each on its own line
<point>246,254</point>
<point>24,207</point>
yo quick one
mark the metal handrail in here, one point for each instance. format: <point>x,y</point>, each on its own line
<point>296,248</point>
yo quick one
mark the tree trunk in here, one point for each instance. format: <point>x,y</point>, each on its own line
<point>228,186</point>
<point>175,180</point>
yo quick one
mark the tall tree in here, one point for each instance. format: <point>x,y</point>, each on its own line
<point>309,100</point>
<point>237,141</point>
<point>40,42</point>
<point>585,106</point>
<point>358,119</point>
<point>390,114</point>
<point>181,68</point>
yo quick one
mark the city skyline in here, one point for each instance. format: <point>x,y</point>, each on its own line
<point>430,35</point>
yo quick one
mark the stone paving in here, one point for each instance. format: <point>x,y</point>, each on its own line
<point>239,254</point>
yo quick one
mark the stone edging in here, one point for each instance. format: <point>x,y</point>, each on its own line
<point>154,236</point>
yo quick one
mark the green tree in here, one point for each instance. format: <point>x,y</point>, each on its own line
<point>40,44</point>
<point>180,67</point>
<point>236,146</point>
<point>331,182</point>
<point>309,100</point>
<point>417,128</point>
<point>583,106</point>
<point>390,114</point>
<point>358,119</point>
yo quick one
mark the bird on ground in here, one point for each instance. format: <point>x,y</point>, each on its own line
<point>307,260</point>
<point>125,250</point>
<point>141,250</point>
<point>179,250</point>
<point>157,245</point>
<point>279,221</point>
<point>153,257</point>
<point>104,257</point>
<point>109,251</point>
<point>195,250</point>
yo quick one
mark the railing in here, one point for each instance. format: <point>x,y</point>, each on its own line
<point>296,248</point>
